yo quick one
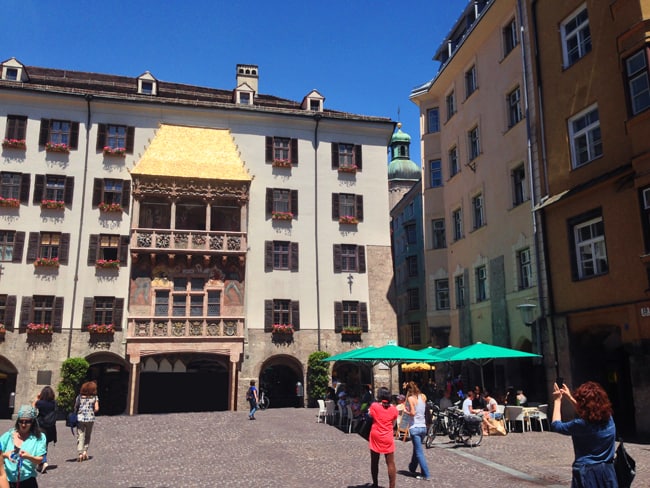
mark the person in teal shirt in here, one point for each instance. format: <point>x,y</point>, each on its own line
<point>23,448</point>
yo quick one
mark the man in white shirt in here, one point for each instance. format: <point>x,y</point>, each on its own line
<point>467,406</point>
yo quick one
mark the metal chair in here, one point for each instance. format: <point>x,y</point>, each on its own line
<point>330,411</point>
<point>513,415</point>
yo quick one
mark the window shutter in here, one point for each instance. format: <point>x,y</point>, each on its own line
<point>19,244</point>
<point>295,315</point>
<point>269,149</point>
<point>335,206</point>
<point>74,135</point>
<point>338,316</point>
<point>269,201</point>
<point>101,136</point>
<point>268,315</point>
<point>359,208</point>
<point>10,312</point>
<point>87,317</point>
<point>357,156</point>
<point>64,248</point>
<point>126,195</point>
<point>39,185</point>
<point>44,135</point>
<point>337,258</point>
<point>293,256</point>
<point>363,311</point>
<point>268,255</point>
<point>294,152</point>
<point>25,180</point>
<point>361,257</point>
<point>123,251</point>
<point>69,190</point>
<point>32,246</point>
<point>130,139</point>
<point>293,194</point>
<point>335,155</point>
<point>92,249</point>
<point>98,186</point>
<point>57,315</point>
<point>118,312</point>
<point>25,313</point>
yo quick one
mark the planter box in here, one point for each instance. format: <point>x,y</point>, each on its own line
<point>282,216</point>
<point>14,144</point>
<point>57,148</point>
<point>52,205</point>
<point>9,202</point>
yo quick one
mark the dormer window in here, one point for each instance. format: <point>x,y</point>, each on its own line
<point>11,74</point>
<point>244,98</point>
<point>313,102</point>
<point>314,105</point>
<point>146,87</point>
<point>243,94</point>
<point>13,70</point>
<point>147,84</point>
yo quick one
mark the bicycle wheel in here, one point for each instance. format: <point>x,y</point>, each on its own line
<point>263,403</point>
<point>471,435</point>
<point>431,434</point>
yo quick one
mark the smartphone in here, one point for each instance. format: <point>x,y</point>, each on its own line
<point>559,381</point>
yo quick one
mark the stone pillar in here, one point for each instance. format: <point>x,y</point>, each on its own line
<point>134,385</point>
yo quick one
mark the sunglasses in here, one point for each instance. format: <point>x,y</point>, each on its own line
<point>24,422</point>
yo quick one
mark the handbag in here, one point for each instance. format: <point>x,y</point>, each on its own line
<point>624,466</point>
<point>365,426</point>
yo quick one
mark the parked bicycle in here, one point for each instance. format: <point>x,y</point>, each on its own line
<point>263,401</point>
<point>438,426</point>
<point>460,428</point>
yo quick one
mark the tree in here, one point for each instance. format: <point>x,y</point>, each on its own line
<point>73,373</point>
<point>318,372</point>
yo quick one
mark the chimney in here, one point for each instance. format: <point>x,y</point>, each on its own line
<point>248,73</point>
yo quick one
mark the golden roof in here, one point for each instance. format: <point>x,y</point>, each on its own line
<point>192,152</point>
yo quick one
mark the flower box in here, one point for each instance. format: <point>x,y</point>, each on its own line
<point>52,204</point>
<point>101,329</point>
<point>57,147</point>
<point>348,168</point>
<point>351,331</point>
<point>281,163</point>
<point>348,219</point>
<point>114,151</point>
<point>107,263</point>
<point>282,216</point>
<point>9,202</point>
<point>14,144</point>
<point>282,329</point>
<point>47,263</point>
<point>110,207</point>
<point>39,329</point>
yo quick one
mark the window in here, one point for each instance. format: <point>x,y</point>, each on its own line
<point>514,107</point>
<point>457,218</point>
<point>576,37</point>
<point>16,127</point>
<point>53,187</point>
<point>412,266</point>
<point>413,296</point>
<point>416,336</point>
<point>345,155</point>
<point>451,105</point>
<point>348,207</point>
<point>115,137</point>
<point>314,105</point>
<point>281,255</point>
<point>11,74</point>
<point>435,173</point>
<point>350,314</point>
<point>146,87</point>
<point>584,133</point>
<point>510,38</point>
<point>433,120</point>
<point>108,247</point>
<point>7,311</point>
<point>478,211</point>
<point>59,132</point>
<point>518,176</point>
<point>470,81</point>
<point>41,309</point>
<point>282,150</point>
<point>103,311</point>
<point>109,191</point>
<point>644,195</point>
<point>349,258</point>
<point>481,284</point>
<point>48,245</point>
<point>636,71</point>
<point>590,250</point>
<point>188,298</point>
<point>10,185</point>
<point>411,233</point>
<point>281,312</point>
<point>161,306</point>
<point>460,291</point>
<point>473,143</point>
<point>442,294</point>
<point>454,168</point>
<point>525,269</point>
<point>244,98</point>
<point>438,232</point>
<point>7,243</point>
<point>282,202</point>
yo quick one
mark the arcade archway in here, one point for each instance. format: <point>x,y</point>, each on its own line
<point>8,375</point>
<point>111,372</point>
<point>278,377</point>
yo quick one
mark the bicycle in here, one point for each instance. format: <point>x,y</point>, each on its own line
<point>465,429</point>
<point>263,401</point>
<point>439,424</point>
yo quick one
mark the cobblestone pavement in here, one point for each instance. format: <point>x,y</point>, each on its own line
<point>287,448</point>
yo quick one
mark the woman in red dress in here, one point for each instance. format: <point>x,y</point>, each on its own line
<point>381,440</point>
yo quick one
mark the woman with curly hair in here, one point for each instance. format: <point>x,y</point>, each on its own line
<point>593,434</point>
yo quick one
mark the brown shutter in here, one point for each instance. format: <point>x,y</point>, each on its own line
<point>363,311</point>
<point>39,186</point>
<point>293,256</point>
<point>269,201</point>
<point>295,315</point>
<point>293,195</point>
<point>25,313</point>
<point>32,246</point>
<point>92,249</point>
<point>268,255</point>
<point>126,195</point>
<point>357,157</point>
<point>57,316</point>
<point>10,312</point>
<point>338,316</point>
<point>87,316</point>
<point>123,251</point>
<point>337,258</point>
<point>98,186</point>
<point>335,155</point>
<point>69,190</point>
<point>130,139</point>
<point>268,315</point>
<point>74,135</point>
<point>101,137</point>
<point>335,206</point>
<point>25,180</point>
<point>294,152</point>
<point>19,244</point>
<point>361,257</point>
<point>64,248</point>
<point>269,150</point>
<point>359,208</point>
<point>44,135</point>
<point>118,312</point>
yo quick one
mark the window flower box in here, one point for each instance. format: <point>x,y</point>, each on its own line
<point>348,219</point>
<point>14,144</point>
<point>282,329</point>
<point>348,168</point>
<point>9,202</point>
<point>57,148</point>
<point>52,204</point>
<point>114,151</point>
<point>281,163</point>
<point>107,263</point>
<point>110,207</point>
<point>351,331</point>
<point>282,216</point>
<point>101,329</point>
<point>36,329</point>
<point>47,263</point>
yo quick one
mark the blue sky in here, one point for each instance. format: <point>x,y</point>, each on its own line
<point>364,56</point>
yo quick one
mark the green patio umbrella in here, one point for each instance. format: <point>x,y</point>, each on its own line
<point>443,354</point>
<point>348,355</point>
<point>391,355</point>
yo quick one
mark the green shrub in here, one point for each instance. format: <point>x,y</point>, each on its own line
<point>318,374</point>
<point>73,373</point>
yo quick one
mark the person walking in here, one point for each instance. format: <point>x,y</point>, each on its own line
<point>593,434</point>
<point>87,405</point>
<point>253,399</point>
<point>381,440</point>
<point>45,403</point>
<point>23,448</point>
<point>416,404</point>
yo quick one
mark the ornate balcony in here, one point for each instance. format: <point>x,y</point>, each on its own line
<point>173,241</point>
<point>155,328</point>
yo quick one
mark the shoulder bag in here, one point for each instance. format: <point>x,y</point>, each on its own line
<point>625,467</point>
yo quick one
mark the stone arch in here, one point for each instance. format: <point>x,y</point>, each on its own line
<point>111,372</point>
<point>8,376</point>
<point>278,376</point>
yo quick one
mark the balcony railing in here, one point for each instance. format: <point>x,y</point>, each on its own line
<point>188,240</point>
<point>186,327</point>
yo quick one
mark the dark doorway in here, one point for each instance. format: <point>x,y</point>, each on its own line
<point>279,378</point>
<point>112,386</point>
<point>8,375</point>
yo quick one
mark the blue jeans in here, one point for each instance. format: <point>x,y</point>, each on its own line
<point>417,438</point>
<point>253,405</point>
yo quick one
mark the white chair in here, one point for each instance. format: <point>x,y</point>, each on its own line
<point>322,411</point>
<point>514,415</point>
<point>330,411</point>
<point>352,422</point>
<point>542,416</point>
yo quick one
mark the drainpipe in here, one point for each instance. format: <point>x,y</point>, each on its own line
<point>317,119</point>
<point>88,98</point>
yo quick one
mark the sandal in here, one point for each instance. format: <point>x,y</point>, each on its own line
<point>80,458</point>
<point>85,456</point>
